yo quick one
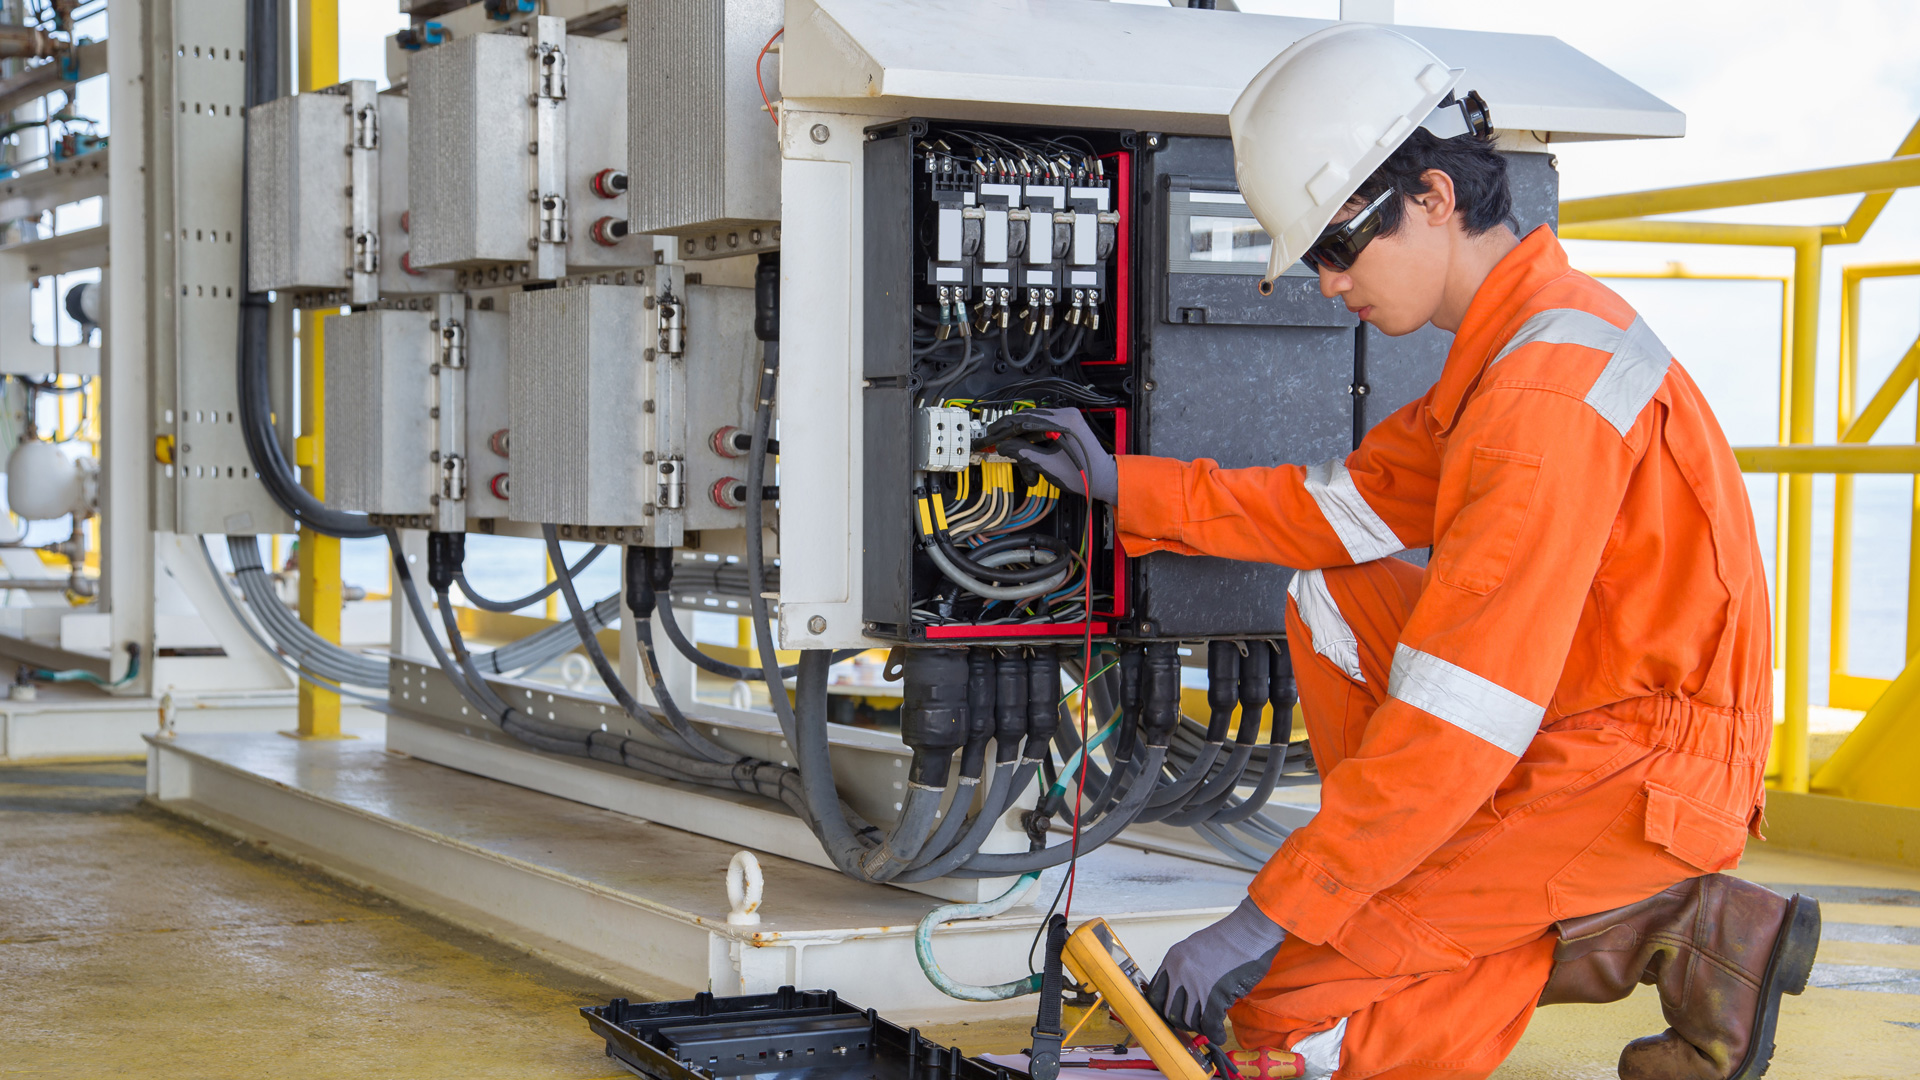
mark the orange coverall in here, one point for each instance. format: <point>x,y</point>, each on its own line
<point>1566,712</point>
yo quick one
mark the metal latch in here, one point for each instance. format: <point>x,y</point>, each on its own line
<point>453,477</point>
<point>673,483</point>
<point>453,345</point>
<point>366,252</point>
<point>673,325</point>
<point>553,71</point>
<point>553,218</point>
<point>366,128</point>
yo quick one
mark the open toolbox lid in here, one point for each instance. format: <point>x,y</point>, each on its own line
<point>809,1034</point>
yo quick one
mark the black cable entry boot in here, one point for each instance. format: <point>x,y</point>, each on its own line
<point>649,572</point>
<point>1043,701</point>
<point>1223,687</point>
<point>1010,700</point>
<point>1160,708</point>
<point>933,711</point>
<point>446,554</point>
<point>1255,682</point>
<point>980,713</point>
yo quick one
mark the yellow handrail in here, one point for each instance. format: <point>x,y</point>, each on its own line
<point>1615,217</point>
<point>1873,176</point>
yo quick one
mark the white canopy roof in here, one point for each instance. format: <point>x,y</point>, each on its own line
<point>1167,69</point>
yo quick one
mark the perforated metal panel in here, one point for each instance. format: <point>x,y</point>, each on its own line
<point>194,227</point>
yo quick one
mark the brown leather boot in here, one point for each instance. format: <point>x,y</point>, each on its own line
<point>1721,950</point>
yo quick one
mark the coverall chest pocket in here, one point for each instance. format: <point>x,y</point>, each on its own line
<point>1479,545</point>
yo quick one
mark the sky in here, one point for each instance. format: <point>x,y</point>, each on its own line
<point>1767,86</point>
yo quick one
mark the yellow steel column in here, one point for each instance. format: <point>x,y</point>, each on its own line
<point>1839,623</point>
<point>1799,556</point>
<point>320,599</point>
<point>1780,482</point>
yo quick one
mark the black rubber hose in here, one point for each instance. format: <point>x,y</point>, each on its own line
<point>533,597</point>
<point>262,81</point>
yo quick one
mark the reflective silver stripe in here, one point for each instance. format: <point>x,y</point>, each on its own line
<point>1465,700</point>
<point>1321,1051</point>
<point>1332,637</point>
<point>1360,530</point>
<point>1631,378</point>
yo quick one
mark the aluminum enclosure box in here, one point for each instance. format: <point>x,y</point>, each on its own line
<point>398,275</point>
<point>704,157</point>
<point>313,194</point>
<point>488,414</point>
<point>507,133</point>
<point>380,397</point>
<point>723,368</point>
<point>597,384</point>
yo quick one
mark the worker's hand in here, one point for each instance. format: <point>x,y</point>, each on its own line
<point>1024,437</point>
<point>1206,973</point>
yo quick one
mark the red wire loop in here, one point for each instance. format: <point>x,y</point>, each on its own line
<point>757,81</point>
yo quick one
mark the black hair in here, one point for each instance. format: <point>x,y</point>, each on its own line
<point>1480,191</point>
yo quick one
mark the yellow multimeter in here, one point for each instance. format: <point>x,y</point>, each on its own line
<point>1097,959</point>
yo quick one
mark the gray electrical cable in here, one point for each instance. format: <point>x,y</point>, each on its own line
<point>1118,818</point>
<point>260,639</point>
<point>760,778</point>
<point>541,646</point>
<point>534,597</point>
<point>843,844</point>
<point>999,592</point>
<point>295,638</point>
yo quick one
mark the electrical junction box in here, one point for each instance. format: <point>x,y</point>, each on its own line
<point>723,381</point>
<point>705,156</point>
<point>401,435</point>
<point>489,419</point>
<point>508,132</point>
<point>313,195</point>
<point>597,381</point>
<point>380,400</point>
<point>398,274</point>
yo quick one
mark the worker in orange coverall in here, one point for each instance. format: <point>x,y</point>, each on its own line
<point>1538,753</point>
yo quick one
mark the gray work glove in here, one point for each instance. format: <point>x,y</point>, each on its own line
<point>1025,437</point>
<point>1205,974</point>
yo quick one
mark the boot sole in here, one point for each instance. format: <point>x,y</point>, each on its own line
<point>1787,972</point>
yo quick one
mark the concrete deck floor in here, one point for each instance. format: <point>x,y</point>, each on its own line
<point>132,943</point>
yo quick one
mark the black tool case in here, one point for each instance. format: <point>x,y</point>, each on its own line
<point>791,1034</point>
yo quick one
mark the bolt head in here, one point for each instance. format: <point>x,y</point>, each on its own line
<point>817,624</point>
<point>819,133</point>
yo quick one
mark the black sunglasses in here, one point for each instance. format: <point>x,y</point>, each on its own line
<point>1341,244</point>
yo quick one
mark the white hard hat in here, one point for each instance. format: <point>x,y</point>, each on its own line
<point>1318,120</point>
